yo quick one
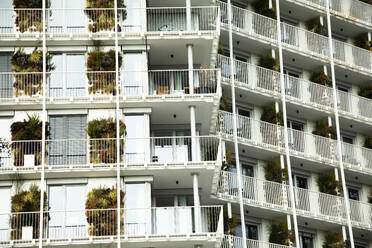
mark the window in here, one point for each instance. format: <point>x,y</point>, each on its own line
<point>6,79</point>
<point>4,208</point>
<point>306,240</point>
<point>296,139</point>
<point>68,140</point>
<point>66,220</point>
<point>67,16</point>
<point>302,196</point>
<point>68,78</point>
<point>250,229</point>
<point>6,18</point>
<point>291,82</point>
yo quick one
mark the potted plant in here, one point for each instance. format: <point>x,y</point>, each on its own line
<point>5,152</point>
<point>327,184</point>
<point>366,92</point>
<point>28,80</point>
<point>272,82</point>
<point>25,221</point>
<point>263,8</point>
<point>29,17</point>
<point>279,234</point>
<point>102,133</point>
<point>101,213</point>
<point>229,223</point>
<point>268,131</point>
<point>315,26</point>
<point>319,94</point>
<point>275,173</point>
<point>101,72</point>
<point>335,240</point>
<point>26,137</point>
<point>363,42</point>
<point>101,14</point>
<point>324,147</point>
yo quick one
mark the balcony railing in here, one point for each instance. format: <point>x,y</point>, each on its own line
<point>305,145</point>
<point>301,40</point>
<point>90,21</point>
<point>82,225</point>
<point>275,196</point>
<point>79,85</point>
<point>351,9</point>
<point>237,242</point>
<point>85,153</point>
<point>299,90</point>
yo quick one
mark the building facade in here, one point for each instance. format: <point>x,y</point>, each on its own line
<point>185,123</point>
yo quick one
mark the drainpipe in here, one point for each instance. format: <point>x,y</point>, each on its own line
<point>117,124</point>
<point>284,107</point>
<point>43,129</point>
<point>235,133</point>
<point>339,150</point>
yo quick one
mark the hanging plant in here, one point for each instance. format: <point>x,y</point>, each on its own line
<point>363,42</point>
<point>229,223</point>
<point>263,8</point>
<point>104,222</point>
<point>30,132</point>
<point>335,240</point>
<point>327,183</point>
<point>323,129</point>
<point>279,234</point>
<point>275,173</point>
<point>25,202</point>
<point>102,133</point>
<point>269,62</point>
<point>29,16</point>
<point>101,14</point>
<point>270,115</point>
<point>366,92</point>
<point>28,80</point>
<point>104,62</point>
<point>315,26</point>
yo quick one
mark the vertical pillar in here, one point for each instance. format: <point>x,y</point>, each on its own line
<point>190,62</point>
<point>284,108</point>
<point>188,15</point>
<point>196,202</point>
<point>339,149</point>
<point>193,134</point>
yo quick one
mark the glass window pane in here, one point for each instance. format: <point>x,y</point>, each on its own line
<point>75,81</point>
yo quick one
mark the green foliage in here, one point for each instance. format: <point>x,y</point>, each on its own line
<point>315,26</point>
<point>104,128</point>
<point>103,20</point>
<point>335,240</point>
<point>269,62</point>
<point>323,129</point>
<point>368,142</point>
<point>29,20</point>
<point>366,92</point>
<point>223,103</point>
<point>227,163</point>
<point>363,42</point>
<point>279,234</point>
<point>31,83</point>
<point>103,222</point>
<point>262,7</point>
<point>327,183</point>
<point>99,61</point>
<point>229,223</point>
<point>26,201</point>
<point>320,78</point>
<point>275,173</point>
<point>270,115</point>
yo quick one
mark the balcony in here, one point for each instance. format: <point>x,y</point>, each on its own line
<point>100,154</point>
<point>298,40</point>
<point>84,87</point>
<point>302,145</point>
<point>352,10</point>
<point>237,242</point>
<point>309,204</point>
<point>298,91</point>
<point>98,23</point>
<point>97,226</point>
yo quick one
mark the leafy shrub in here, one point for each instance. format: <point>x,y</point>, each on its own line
<point>363,42</point>
<point>279,234</point>
<point>315,26</point>
<point>323,129</point>
<point>321,78</point>
<point>366,92</point>
<point>275,173</point>
<point>335,240</point>
<point>327,183</point>
<point>269,62</point>
<point>29,20</point>
<point>262,7</point>
<point>270,115</point>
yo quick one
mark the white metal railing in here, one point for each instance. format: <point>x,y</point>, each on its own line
<point>303,144</point>
<point>308,203</point>
<point>82,224</point>
<point>133,151</point>
<point>299,90</point>
<point>62,22</point>
<point>293,37</point>
<point>103,83</point>
<point>237,242</point>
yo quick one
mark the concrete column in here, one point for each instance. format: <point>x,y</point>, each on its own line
<point>196,202</point>
<point>188,15</point>
<point>193,133</point>
<point>190,61</point>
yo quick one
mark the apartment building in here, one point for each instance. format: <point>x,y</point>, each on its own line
<point>149,104</point>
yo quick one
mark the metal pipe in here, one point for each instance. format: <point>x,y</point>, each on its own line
<point>235,132</point>
<point>117,124</point>
<point>284,107</point>
<point>339,150</point>
<point>43,129</point>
